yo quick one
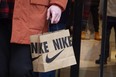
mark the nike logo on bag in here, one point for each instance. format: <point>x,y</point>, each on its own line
<point>35,58</point>
<point>49,60</point>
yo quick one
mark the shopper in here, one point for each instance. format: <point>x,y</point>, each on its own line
<point>30,17</point>
<point>111,22</point>
<point>91,7</point>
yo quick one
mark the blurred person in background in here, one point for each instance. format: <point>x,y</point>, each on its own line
<point>111,23</point>
<point>91,7</point>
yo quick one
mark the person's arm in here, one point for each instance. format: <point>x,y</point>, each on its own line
<point>55,10</point>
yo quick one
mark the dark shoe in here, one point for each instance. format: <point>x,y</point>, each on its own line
<point>98,61</point>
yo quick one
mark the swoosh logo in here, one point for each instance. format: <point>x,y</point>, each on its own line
<point>35,58</point>
<point>49,60</point>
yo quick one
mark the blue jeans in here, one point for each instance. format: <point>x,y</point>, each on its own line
<point>47,74</point>
<point>55,27</point>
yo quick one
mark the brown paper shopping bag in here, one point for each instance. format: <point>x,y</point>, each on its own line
<point>52,51</point>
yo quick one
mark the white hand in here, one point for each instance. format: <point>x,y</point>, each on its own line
<point>54,14</point>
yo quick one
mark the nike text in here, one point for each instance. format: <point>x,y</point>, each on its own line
<point>58,44</point>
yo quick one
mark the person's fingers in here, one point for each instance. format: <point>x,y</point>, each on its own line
<point>57,18</point>
<point>54,14</point>
<point>53,17</point>
<point>48,14</point>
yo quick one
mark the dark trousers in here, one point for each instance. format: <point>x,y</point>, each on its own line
<point>20,61</point>
<point>95,15</point>
<point>91,7</point>
<point>5,35</point>
<point>15,59</point>
<point>111,22</point>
